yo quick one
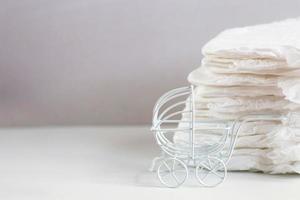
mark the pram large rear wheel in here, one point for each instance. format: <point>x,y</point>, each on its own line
<point>172,172</point>
<point>211,172</point>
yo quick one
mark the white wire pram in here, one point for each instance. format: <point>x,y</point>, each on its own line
<point>208,159</point>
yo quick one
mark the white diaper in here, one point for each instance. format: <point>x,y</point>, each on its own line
<point>247,91</point>
<point>275,41</point>
<point>248,66</point>
<point>242,104</point>
<point>255,163</point>
<point>204,76</point>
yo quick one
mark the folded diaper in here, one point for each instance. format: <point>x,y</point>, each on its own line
<point>277,41</point>
<point>245,65</point>
<point>254,163</point>
<point>247,91</point>
<point>251,66</point>
<point>209,114</point>
<point>203,76</point>
<point>238,104</point>
<point>271,156</point>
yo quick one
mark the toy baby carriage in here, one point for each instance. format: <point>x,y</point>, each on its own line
<point>175,114</point>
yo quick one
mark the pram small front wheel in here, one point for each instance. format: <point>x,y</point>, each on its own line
<point>211,172</point>
<point>172,172</point>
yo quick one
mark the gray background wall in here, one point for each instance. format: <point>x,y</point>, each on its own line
<point>92,62</point>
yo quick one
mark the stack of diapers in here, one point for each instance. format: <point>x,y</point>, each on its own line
<point>248,70</point>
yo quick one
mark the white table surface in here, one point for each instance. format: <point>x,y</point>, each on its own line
<point>109,163</point>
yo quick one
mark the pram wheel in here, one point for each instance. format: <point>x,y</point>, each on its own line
<point>172,172</point>
<point>211,172</point>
